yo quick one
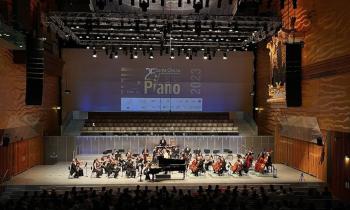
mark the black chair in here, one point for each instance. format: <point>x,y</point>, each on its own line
<point>216,152</point>
<point>206,152</point>
<point>228,153</point>
<point>197,151</point>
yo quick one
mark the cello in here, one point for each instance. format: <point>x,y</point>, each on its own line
<point>261,162</point>
<point>194,166</point>
<point>237,167</point>
<point>217,165</point>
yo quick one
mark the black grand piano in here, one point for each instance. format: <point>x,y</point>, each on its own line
<point>165,165</point>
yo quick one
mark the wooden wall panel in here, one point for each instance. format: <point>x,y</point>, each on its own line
<point>21,155</point>
<point>302,155</point>
<point>13,111</point>
<point>340,146</point>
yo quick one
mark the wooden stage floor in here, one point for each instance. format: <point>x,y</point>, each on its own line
<point>57,175</point>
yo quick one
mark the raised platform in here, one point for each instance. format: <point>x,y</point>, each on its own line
<point>49,176</point>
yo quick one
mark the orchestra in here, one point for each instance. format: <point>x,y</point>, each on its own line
<point>134,165</point>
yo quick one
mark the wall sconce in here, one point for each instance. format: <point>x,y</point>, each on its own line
<point>259,109</point>
<point>347,158</point>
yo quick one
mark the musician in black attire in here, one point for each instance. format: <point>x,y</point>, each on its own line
<point>162,142</point>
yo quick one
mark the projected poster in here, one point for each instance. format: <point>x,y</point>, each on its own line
<point>157,85</point>
<point>161,89</point>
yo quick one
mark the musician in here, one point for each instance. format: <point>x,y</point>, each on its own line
<point>79,169</point>
<point>208,162</point>
<point>96,167</point>
<point>146,170</point>
<point>130,169</point>
<point>145,154</point>
<point>166,154</point>
<point>73,169</point>
<point>162,142</point>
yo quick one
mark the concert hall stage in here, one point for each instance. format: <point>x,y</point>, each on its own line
<point>52,176</point>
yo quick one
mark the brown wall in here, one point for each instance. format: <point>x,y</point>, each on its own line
<point>305,156</point>
<point>21,155</point>
<point>340,146</point>
<point>13,111</point>
<point>324,27</point>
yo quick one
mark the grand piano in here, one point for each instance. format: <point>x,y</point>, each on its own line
<point>166,165</point>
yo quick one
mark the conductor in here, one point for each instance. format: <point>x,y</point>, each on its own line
<point>162,142</point>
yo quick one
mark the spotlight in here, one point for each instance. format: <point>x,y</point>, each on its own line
<point>224,57</point>
<point>172,56</point>
<point>87,47</point>
<point>135,55</point>
<point>205,57</point>
<point>94,54</point>
<point>151,55</point>
<point>116,54</point>
<point>187,56</point>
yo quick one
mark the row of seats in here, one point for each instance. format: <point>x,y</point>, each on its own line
<point>123,120</point>
<point>159,124</point>
<point>175,129</point>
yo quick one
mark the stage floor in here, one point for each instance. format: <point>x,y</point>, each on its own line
<point>57,175</point>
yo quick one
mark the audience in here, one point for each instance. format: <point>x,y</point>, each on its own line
<point>161,199</point>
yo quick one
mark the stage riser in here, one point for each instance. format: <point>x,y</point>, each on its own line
<point>66,146</point>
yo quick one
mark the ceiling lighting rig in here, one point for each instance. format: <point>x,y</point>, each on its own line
<point>171,27</point>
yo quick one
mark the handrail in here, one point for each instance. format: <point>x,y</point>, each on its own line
<point>4,176</point>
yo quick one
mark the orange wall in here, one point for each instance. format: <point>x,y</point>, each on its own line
<point>21,155</point>
<point>325,29</point>
<point>13,111</point>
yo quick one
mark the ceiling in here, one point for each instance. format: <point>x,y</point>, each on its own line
<point>167,27</point>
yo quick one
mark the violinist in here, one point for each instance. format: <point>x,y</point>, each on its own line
<point>97,167</point>
<point>145,154</point>
<point>79,169</point>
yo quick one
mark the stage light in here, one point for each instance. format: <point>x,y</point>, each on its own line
<point>151,55</point>
<point>347,158</point>
<point>187,56</point>
<point>205,57</point>
<point>224,57</point>
<point>94,54</point>
<point>219,3</point>
<point>135,55</point>
<point>172,56</point>
<point>87,47</point>
<point>116,54</point>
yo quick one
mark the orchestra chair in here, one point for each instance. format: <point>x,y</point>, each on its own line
<point>206,152</point>
<point>216,153</point>
<point>197,151</point>
<point>228,153</point>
